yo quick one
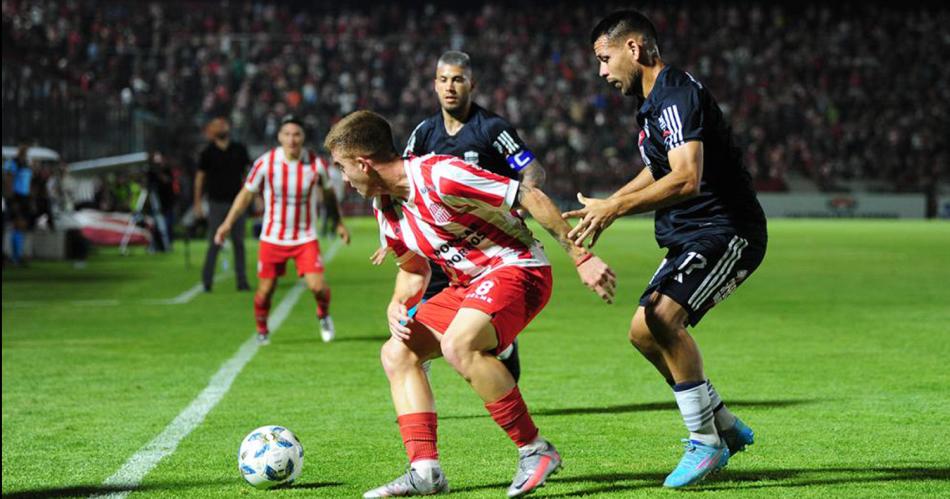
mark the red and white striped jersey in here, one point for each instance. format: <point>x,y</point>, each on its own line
<point>459,216</point>
<point>290,190</point>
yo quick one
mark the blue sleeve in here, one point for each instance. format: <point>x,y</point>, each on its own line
<point>504,138</point>
<point>681,117</point>
<point>8,166</point>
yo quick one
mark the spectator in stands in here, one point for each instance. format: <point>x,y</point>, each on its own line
<point>17,186</point>
<point>806,78</point>
<point>221,169</point>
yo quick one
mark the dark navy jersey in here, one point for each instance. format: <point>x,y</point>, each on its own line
<point>680,109</point>
<point>486,140</point>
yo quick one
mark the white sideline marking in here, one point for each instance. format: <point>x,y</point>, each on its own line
<point>190,293</point>
<point>130,475</point>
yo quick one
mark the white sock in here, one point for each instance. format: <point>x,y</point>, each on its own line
<point>697,413</point>
<point>725,419</point>
<point>427,468</point>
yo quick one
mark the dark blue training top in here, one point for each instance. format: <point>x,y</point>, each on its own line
<point>680,109</point>
<point>486,140</point>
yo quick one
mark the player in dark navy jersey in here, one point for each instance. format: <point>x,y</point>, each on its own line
<point>466,130</point>
<point>707,217</point>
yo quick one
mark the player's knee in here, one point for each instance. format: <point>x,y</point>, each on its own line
<point>457,353</point>
<point>639,333</point>
<point>663,318</point>
<point>395,357</point>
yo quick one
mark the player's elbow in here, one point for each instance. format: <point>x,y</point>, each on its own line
<point>534,175</point>
<point>689,189</point>
<point>688,185</point>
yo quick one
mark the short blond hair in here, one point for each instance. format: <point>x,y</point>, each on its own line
<point>362,133</point>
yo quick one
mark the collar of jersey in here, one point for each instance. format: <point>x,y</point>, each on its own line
<point>647,105</point>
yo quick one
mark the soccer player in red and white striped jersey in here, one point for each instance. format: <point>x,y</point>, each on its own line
<point>290,180</point>
<point>455,214</point>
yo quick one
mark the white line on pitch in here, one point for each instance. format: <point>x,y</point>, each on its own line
<point>190,293</point>
<point>131,473</point>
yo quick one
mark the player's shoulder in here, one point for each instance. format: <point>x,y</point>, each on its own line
<point>676,83</point>
<point>424,126</point>
<point>432,160</point>
<point>674,78</point>
<point>488,120</point>
<point>267,156</point>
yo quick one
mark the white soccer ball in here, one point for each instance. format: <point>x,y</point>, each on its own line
<point>270,456</point>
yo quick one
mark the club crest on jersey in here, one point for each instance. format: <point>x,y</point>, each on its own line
<point>667,131</point>
<point>440,214</point>
<point>471,157</point>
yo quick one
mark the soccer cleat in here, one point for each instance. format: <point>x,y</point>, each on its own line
<point>327,331</point>
<point>510,359</point>
<point>263,338</point>
<point>698,461</point>
<point>534,468</point>
<point>411,483</point>
<point>738,437</point>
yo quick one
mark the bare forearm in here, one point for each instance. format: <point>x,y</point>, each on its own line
<point>410,286</point>
<point>641,181</point>
<point>669,190</point>
<point>540,206</point>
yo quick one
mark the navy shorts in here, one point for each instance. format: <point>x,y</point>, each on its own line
<point>703,272</point>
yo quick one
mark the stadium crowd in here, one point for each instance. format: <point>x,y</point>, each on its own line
<point>831,92</point>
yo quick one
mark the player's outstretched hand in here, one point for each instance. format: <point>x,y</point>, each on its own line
<point>398,316</point>
<point>343,233</point>
<point>596,275</point>
<point>596,215</point>
<point>221,234</point>
<point>379,256</point>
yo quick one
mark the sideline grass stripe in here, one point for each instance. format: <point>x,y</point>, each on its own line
<point>130,475</point>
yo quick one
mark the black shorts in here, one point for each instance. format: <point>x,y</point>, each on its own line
<point>703,272</point>
<point>437,281</point>
<point>20,208</point>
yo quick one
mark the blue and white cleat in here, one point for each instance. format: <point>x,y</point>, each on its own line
<point>698,461</point>
<point>738,437</point>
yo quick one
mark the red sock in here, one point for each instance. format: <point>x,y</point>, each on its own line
<point>261,310</point>
<point>419,435</point>
<point>511,413</point>
<point>323,303</point>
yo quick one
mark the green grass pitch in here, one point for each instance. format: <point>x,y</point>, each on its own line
<point>835,351</point>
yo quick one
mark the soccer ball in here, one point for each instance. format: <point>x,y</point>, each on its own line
<point>270,456</point>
